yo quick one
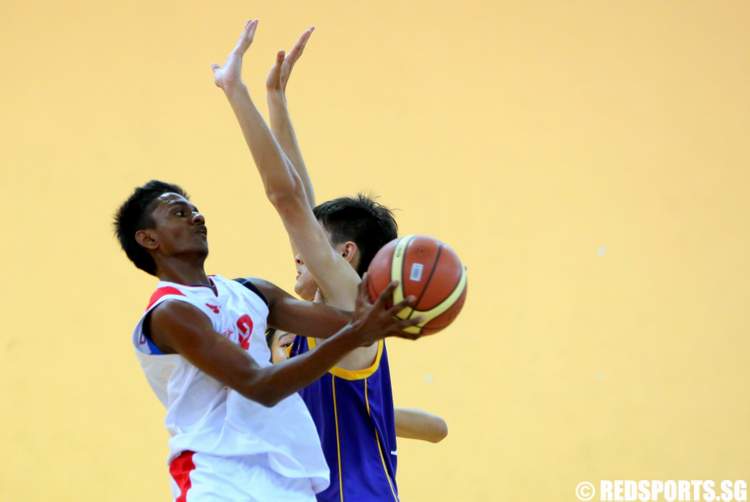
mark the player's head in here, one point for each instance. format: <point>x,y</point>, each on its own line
<point>157,222</point>
<point>279,342</point>
<point>357,228</point>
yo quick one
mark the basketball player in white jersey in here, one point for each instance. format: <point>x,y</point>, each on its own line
<point>238,430</point>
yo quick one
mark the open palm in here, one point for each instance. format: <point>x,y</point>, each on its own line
<point>229,76</point>
<point>278,77</point>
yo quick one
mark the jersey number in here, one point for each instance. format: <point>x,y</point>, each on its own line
<point>245,325</point>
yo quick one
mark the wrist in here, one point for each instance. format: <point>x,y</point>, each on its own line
<point>234,89</point>
<point>276,97</point>
<point>351,335</point>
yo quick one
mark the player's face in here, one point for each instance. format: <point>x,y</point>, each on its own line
<point>280,346</point>
<point>305,286</point>
<point>179,227</point>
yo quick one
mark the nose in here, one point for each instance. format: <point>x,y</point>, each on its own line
<point>198,218</point>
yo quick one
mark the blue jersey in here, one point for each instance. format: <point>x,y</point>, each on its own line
<point>353,412</point>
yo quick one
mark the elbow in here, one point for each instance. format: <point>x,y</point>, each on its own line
<point>441,431</point>
<point>287,195</point>
<point>265,399</point>
<point>281,198</point>
<point>257,390</point>
<point>269,402</point>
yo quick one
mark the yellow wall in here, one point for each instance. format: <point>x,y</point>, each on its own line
<point>588,160</point>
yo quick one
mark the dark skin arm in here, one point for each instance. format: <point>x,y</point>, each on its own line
<point>289,314</point>
<point>178,327</point>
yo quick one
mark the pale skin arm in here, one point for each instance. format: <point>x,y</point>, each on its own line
<point>278,110</point>
<point>284,187</point>
<point>417,424</point>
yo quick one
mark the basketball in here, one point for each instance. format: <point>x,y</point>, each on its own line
<point>427,269</point>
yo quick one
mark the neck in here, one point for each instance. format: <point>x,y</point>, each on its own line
<point>183,271</point>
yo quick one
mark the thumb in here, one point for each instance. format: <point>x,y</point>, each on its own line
<point>275,74</point>
<point>362,294</point>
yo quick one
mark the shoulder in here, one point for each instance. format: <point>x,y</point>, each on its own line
<point>173,311</point>
<point>260,287</point>
<point>162,292</point>
<point>174,323</point>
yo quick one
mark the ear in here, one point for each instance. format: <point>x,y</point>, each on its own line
<point>147,238</point>
<point>350,252</point>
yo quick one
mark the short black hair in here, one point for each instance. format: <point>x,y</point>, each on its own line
<point>361,220</point>
<point>134,215</point>
<point>270,333</point>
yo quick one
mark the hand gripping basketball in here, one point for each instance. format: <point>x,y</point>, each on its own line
<point>373,321</point>
<point>426,269</point>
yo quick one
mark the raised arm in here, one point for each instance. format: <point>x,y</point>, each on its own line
<point>278,175</point>
<point>282,184</point>
<point>278,110</point>
<point>178,327</point>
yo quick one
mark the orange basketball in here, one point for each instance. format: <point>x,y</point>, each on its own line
<point>428,270</point>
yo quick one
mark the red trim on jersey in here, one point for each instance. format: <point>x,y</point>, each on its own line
<point>163,291</point>
<point>180,469</point>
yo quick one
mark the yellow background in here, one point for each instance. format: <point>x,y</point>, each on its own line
<point>587,159</point>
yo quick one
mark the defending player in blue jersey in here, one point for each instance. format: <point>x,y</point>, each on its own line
<point>352,405</point>
<point>411,423</point>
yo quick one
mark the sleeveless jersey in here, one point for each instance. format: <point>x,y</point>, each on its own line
<point>203,415</point>
<point>353,412</point>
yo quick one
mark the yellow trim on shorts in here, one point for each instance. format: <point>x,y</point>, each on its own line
<point>346,374</point>
<point>380,449</point>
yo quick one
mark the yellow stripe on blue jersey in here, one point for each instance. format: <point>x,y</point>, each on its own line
<point>354,374</point>
<point>353,412</point>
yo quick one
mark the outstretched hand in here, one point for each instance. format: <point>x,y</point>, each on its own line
<point>278,77</point>
<point>229,76</point>
<point>374,321</point>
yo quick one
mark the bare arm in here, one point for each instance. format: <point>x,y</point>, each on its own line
<point>289,314</point>
<point>417,424</point>
<point>178,327</point>
<point>282,184</point>
<point>278,111</point>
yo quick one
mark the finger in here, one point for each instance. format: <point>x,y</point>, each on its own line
<point>362,296</point>
<point>407,302</point>
<point>246,38</point>
<point>215,70</point>
<point>274,75</point>
<point>299,47</point>
<point>250,28</point>
<point>407,323</point>
<point>407,336</point>
<point>386,295</point>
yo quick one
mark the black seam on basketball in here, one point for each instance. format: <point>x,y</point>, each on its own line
<point>463,291</point>
<point>403,262</point>
<point>426,284</point>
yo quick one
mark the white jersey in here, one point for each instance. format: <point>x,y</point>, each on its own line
<point>203,415</point>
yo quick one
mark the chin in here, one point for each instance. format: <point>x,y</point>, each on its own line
<point>305,290</point>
